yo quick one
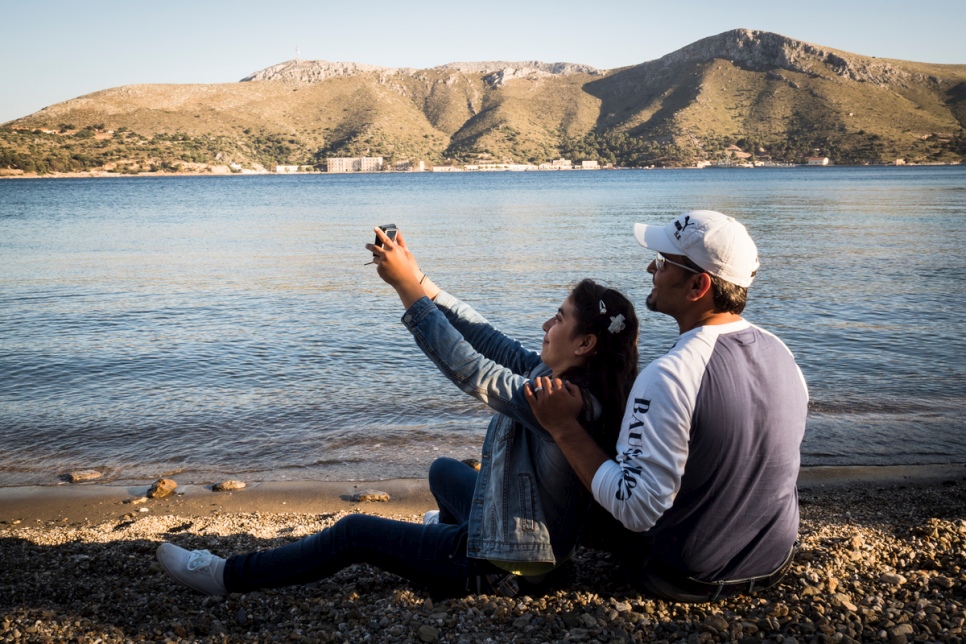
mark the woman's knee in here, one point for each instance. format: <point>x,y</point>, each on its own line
<point>353,525</point>
<point>442,469</point>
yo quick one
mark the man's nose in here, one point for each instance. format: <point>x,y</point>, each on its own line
<point>652,267</point>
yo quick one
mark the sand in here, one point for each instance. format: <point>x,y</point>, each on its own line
<point>94,502</point>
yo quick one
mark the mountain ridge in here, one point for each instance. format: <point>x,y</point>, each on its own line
<point>779,97</point>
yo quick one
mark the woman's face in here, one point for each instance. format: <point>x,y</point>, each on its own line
<point>562,346</point>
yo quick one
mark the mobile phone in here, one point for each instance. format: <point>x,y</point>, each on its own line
<point>390,230</point>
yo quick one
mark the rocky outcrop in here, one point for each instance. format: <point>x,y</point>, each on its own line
<point>748,48</point>
<point>765,51</point>
<point>496,73</point>
<point>316,71</point>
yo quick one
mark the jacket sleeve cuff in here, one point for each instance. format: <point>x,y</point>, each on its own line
<point>418,312</point>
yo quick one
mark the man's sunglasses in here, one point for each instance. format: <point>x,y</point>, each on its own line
<point>661,260</point>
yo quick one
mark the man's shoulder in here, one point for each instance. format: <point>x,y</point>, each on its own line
<point>736,352</point>
<point>680,368</point>
<point>694,348</point>
<point>689,357</point>
<point>753,333</point>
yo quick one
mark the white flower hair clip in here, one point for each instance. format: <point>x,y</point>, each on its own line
<point>616,324</point>
<point>603,307</point>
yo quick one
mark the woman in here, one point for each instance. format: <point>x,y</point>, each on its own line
<point>522,513</point>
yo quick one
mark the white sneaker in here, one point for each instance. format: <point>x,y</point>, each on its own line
<point>198,569</point>
<point>431,517</point>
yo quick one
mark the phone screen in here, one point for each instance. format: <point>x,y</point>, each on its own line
<point>390,230</point>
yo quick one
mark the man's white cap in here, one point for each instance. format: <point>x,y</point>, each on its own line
<point>717,243</point>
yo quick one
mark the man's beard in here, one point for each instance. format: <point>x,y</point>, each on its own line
<point>651,302</point>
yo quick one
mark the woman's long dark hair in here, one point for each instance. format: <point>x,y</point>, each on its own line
<point>612,369</point>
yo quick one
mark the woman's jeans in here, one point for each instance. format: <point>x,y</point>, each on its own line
<point>433,556</point>
<point>452,482</point>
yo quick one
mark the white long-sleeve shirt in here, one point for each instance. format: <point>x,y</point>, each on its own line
<point>708,454</point>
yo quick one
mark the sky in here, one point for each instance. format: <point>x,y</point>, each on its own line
<point>54,50</point>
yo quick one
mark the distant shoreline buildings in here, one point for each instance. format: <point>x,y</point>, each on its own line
<point>343,165</point>
<point>730,157</point>
<point>354,164</point>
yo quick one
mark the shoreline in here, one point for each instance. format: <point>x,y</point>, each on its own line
<point>92,501</point>
<point>99,174</point>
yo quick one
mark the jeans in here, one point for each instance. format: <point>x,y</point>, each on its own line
<point>433,556</point>
<point>452,483</point>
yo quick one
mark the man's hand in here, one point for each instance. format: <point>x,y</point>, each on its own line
<point>554,402</point>
<point>556,405</point>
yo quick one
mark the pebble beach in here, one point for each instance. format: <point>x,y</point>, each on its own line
<point>881,559</point>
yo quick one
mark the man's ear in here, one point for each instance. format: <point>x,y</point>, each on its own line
<point>587,346</point>
<point>700,286</point>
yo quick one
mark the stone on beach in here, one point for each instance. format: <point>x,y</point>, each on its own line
<point>892,579</point>
<point>228,486</point>
<point>162,488</point>
<point>83,475</point>
<point>366,496</point>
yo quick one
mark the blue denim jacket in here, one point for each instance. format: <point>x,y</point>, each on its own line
<point>528,505</point>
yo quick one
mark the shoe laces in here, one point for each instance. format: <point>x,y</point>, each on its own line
<point>200,559</point>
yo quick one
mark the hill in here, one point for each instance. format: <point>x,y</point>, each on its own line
<point>772,96</point>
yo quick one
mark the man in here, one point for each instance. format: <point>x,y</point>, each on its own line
<point>704,478</point>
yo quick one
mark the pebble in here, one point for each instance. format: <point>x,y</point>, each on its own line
<point>368,496</point>
<point>83,475</point>
<point>943,582</point>
<point>162,488</point>
<point>892,579</point>
<point>228,486</point>
<point>427,633</point>
<point>99,582</point>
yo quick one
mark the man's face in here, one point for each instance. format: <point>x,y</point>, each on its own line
<point>670,283</point>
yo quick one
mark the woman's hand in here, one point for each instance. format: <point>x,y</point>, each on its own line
<point>555,403</point>
<point>397,266</point>
<point>395,263</point>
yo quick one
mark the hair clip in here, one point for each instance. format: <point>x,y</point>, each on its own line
<point>616,324</point>
<point>603,307</point>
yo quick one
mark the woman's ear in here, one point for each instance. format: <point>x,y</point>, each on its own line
<point>587,346</point>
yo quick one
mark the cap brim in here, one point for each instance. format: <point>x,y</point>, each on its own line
<point>655,238</point>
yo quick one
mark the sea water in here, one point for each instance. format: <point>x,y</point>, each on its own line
<point>214,327</point>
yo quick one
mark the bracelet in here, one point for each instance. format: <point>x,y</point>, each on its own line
<point>422,278</point>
